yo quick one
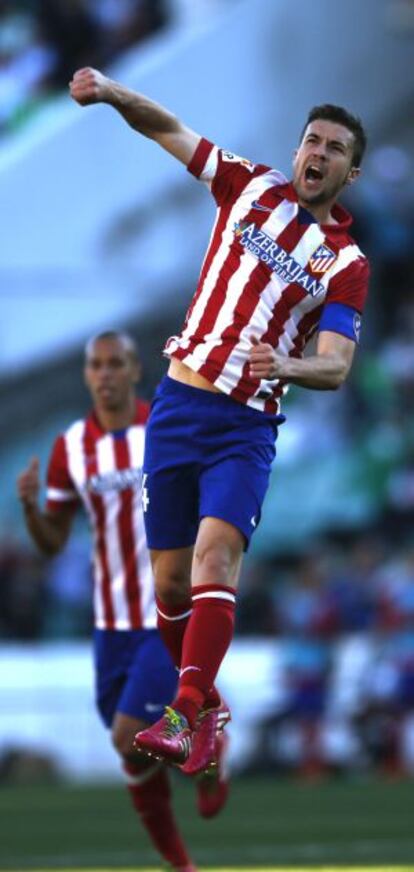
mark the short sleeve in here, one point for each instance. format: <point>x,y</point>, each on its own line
<point>350,285</point>
<point>225,173</point>
<point>60,487</point>
<point>345,300</point>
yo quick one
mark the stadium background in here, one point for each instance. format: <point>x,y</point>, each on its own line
<point>100,229</point>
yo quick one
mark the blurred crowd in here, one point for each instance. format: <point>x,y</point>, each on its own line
<point>42,43</point>
<point>341,617</point>
<point>43,599</point>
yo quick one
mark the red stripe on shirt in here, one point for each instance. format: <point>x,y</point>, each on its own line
<point>244,307</point>
<point>199,158</point>
<point>99,510</point>
<point>127,537</point>
<point>246,386</point>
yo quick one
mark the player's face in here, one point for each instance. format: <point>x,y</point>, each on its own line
<point>110,374</point>
<point>323,162</point>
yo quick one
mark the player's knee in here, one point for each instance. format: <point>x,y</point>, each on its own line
<point>172,584</point>
<point>214,561</point>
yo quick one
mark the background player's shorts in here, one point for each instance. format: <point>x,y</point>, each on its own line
<point>134,674</point>
<point>205,455</point>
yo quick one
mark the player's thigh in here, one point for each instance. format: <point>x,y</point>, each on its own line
<point>232,490</point>
<point>172,574</point>
<point>170,503</point>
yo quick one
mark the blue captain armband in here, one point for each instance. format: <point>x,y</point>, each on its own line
<point>341,319</point>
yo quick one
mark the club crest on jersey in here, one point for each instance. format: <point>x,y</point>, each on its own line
<point>229,157</point>
<point>279,261</point>
<point>322,259</point>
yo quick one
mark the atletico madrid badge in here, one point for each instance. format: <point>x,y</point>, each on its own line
<point>322,259</point>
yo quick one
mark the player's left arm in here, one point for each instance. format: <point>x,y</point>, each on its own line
<point>147,117</point>
<point>326,370</point>
<point>339,328</point>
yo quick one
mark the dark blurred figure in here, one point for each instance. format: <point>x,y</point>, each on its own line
<point>255,610</point>
<point>94,32</point>
<point>22,592</point>
<point>354,588</point>
<point>306,622</point>
<point>69,27</point>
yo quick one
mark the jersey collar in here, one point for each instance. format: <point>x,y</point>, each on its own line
<point>341,215</point>
<point>97,430</point>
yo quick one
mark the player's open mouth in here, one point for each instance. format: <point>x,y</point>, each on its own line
<point>313,173</point>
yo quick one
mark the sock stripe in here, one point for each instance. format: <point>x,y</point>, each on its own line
<point>220,594</point>
<point>174,617</point>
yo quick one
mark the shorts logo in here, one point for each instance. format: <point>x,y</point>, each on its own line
<point>357,326</point>
<point>322,259</point>
<point>152,707</point>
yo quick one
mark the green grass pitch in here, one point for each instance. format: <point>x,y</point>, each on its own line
<point>267,825</point>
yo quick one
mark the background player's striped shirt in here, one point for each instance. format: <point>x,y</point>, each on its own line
<point>104,472</point>
<point>269,271</point>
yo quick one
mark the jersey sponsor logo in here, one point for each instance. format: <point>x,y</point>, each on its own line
<point>322,259</point>
<point>229,157</point>
<point>357,326</point>
<point>118,480</point>
<point>278,260</point>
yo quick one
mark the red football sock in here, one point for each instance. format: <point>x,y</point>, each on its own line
<point>172,623</point>
<point>207,638</point>
<point>150,793</point>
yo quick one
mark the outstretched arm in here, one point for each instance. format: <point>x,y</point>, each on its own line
<point>89,86</point>
<point>48,530</point>
<point>325,370</point>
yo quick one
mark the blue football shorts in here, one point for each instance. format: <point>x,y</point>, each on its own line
<point>205,455</point>
<point>134,674</point>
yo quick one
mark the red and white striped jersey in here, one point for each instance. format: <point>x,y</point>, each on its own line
<point>103,470</point>
<point>269,270</point>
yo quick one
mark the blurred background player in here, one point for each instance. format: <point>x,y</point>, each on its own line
<point>280,268</point>
<point>98,462</point>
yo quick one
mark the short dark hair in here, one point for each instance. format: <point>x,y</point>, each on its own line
<point>339,115</point>
<point>130,345</point>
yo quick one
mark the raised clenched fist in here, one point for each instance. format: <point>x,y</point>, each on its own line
<point>28,483</point>
<point>89,86</point>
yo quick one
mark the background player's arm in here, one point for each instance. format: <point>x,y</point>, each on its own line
<point>48,530</point>
<point>89,86</point>
<point>325,370</point>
